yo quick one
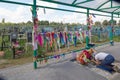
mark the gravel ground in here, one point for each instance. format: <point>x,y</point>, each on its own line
<point>63,69</point>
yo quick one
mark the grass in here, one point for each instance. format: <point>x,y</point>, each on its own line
<point>27,58</point>
<point>63,50</point>
<point>116,38</point>
<point>4,63</point>
<point>7,60</point>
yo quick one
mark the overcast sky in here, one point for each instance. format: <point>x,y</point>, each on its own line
<point>19,13</point>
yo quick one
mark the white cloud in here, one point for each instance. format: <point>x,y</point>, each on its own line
<point>20,14</point>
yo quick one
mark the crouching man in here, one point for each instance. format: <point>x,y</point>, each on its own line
<point>104,61</point>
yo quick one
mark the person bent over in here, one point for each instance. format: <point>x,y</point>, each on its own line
<point>104,61</point>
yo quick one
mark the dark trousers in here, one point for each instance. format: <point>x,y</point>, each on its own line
<point>106,64</point>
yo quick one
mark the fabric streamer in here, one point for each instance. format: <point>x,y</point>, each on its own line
<point>55,35</point>
<point>35,24</point>
<point>35,47</point>
<point>75,39</point>
<point>55,41</point>
<point>44,38</point>
<point>51,40</point>
<point>94,15</point>
<point>80,37</point>
<point>63,33</point>
<point>61,39</point>
<point>83,34</point>
<point>72,37</point>
<point>40,40</point>
<point>68,42</point>
<point>48,39</point>
<point>42,35</point>
<point>58,41</point>
<point>64,37</point>
<point>44,10</point>
<point>55,57</point>
<point>58,56</point>
<point>52,35</point>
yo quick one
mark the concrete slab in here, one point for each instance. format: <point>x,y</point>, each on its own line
<point>72,71</point>
<point>61,71</point>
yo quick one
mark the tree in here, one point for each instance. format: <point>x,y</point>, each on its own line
<point>105,23</point>
<point>73,24</point>
<point>97,23</point>
<point>114,22</point>
<point>53,23</point>
<point>119,23</point>
<point>3,20</point>
<point>29,22</point>
<point>43,22</point>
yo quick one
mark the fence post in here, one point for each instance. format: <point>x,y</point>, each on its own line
<point>111,30</point>
<point>34,16</point>
<point>87,31</point>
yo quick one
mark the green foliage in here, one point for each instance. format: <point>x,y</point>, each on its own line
<point>119,23</point>
<point>3,20</point>
<point>41,51</point>
<point>30,24</point>
<point>105,23</point>
<point>116,38</point>
<point>97,23</point>
<point>114,22</point>
<point>94,38</point>
<point>43,22</point>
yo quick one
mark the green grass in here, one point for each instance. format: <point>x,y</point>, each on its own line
<point>15,62</point>
<point>116,38</point>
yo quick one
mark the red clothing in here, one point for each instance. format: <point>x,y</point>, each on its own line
<point>52,34</point>
<point>48,34</point>
<point>80,57</point>
<point>87,54</point>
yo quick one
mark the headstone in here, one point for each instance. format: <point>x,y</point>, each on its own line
<point>29,36</point>
<point>13,37</point>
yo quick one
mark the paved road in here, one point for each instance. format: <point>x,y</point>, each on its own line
<point>64,70</point>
